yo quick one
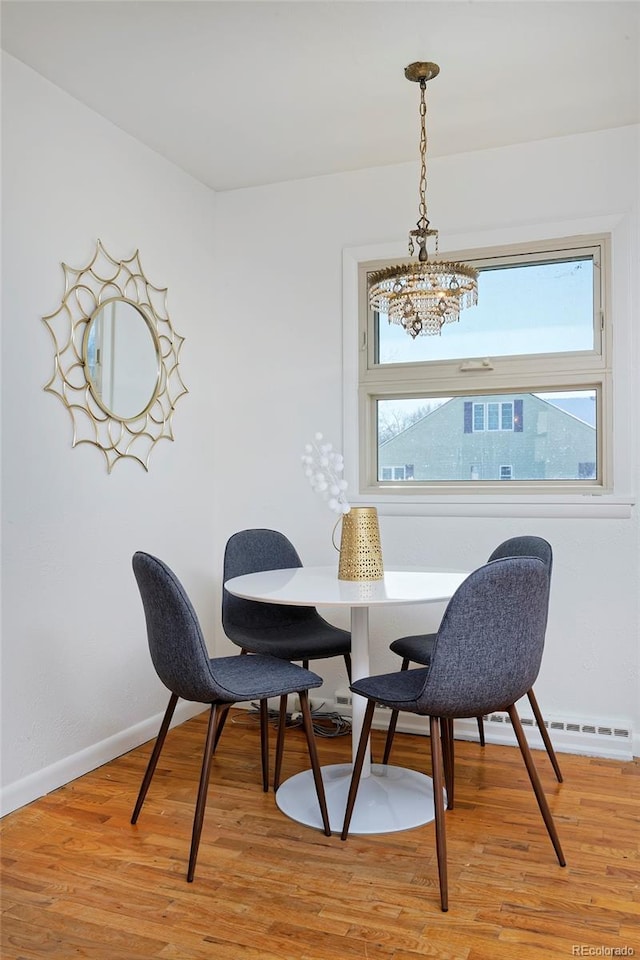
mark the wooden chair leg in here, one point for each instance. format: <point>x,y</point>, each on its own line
<point>357,767</point>
<point>545,735</point>
<point>315,763</point>
<point>202,794</point>
<point>535,783</point>
<point>480,722</point>
<point>155,754</point>
<point>305,664</point>
<point>347,663</point>
<point>391,732</point>
<point>438,803</point>
<point>282,726</point>
<point>446,725</point>
<point>223,713</point>
<point>393,720</point>
<point>264,744</point>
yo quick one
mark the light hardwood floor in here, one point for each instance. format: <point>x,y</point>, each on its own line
<point>80,881</point>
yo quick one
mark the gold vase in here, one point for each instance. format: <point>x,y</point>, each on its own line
<point>360,551</point>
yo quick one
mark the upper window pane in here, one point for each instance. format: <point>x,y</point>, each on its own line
<point>523,309</point>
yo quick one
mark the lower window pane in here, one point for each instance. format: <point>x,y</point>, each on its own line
<point>504,437</point>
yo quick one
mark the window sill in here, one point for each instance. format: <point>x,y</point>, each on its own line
<point>591,506</point>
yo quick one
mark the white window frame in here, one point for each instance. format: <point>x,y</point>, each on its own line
<point>485,417</point>
<point>516,498</point>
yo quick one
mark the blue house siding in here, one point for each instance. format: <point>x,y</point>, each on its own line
<point>546,443</point>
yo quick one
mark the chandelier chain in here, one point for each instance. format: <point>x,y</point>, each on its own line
<point>423,223</point>
<point>423,296</point>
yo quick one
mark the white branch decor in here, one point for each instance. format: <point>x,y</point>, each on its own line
<point>323,466</point>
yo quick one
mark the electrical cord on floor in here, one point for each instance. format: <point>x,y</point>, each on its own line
<point>328,724</point>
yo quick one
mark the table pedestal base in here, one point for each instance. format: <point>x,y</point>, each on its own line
<point>391,799</point>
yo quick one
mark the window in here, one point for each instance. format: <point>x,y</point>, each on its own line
<point>587,470</point>
<point>506,417</point>
<point>499,416</point>
<point>478,417</point>
<point>397,473</point>
<point>517,390</point>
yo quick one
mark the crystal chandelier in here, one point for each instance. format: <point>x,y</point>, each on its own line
<point>422,296</point>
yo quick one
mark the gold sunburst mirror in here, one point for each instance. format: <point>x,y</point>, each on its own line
<point>116,358</point>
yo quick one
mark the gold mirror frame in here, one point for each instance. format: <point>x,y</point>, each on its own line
<point>86,290</point>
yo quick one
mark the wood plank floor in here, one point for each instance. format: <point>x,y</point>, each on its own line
<point>80,881</point>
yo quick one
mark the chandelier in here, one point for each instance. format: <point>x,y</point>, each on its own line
<point>422,296</point>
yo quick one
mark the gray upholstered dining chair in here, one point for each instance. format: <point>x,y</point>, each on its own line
<point>288,632</point>
<point>280,630</point>
<point>183,665</point>
<point>486,655</point>
<point>418,649</point>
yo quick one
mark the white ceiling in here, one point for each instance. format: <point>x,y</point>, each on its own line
<point>240,93</point>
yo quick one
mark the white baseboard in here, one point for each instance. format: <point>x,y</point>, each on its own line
<point>579,740</point>
<point>43,781</point>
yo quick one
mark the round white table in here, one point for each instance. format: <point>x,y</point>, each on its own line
<point>389,798</point>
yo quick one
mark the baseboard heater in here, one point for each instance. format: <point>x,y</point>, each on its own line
<point>595,738</point>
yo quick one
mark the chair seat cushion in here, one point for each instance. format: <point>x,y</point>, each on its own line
<point>309,640</point>
<point>399,690</point>
<point>258,677</point>
<point>416,649</point>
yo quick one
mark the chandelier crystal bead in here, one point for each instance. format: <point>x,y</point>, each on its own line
<point>422,296</point>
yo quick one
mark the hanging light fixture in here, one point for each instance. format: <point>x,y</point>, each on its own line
<point>422,296</point>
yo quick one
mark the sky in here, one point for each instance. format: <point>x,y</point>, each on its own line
<point>521,310</point>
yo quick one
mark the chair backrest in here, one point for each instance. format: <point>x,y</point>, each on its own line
<point>176,644</point>
<point>526,546</point>
<point>252,551</point>
<point>488,649</point>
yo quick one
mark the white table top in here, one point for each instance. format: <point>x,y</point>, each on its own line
<point>315,586</point>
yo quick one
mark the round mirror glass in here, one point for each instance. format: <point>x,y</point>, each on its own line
<point>122,359</point>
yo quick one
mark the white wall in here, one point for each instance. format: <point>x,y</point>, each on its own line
<point>286,300</point>
<point>77,679</point>
<point>256,287</point>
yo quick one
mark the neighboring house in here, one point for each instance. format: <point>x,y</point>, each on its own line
<point>490,438</point>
